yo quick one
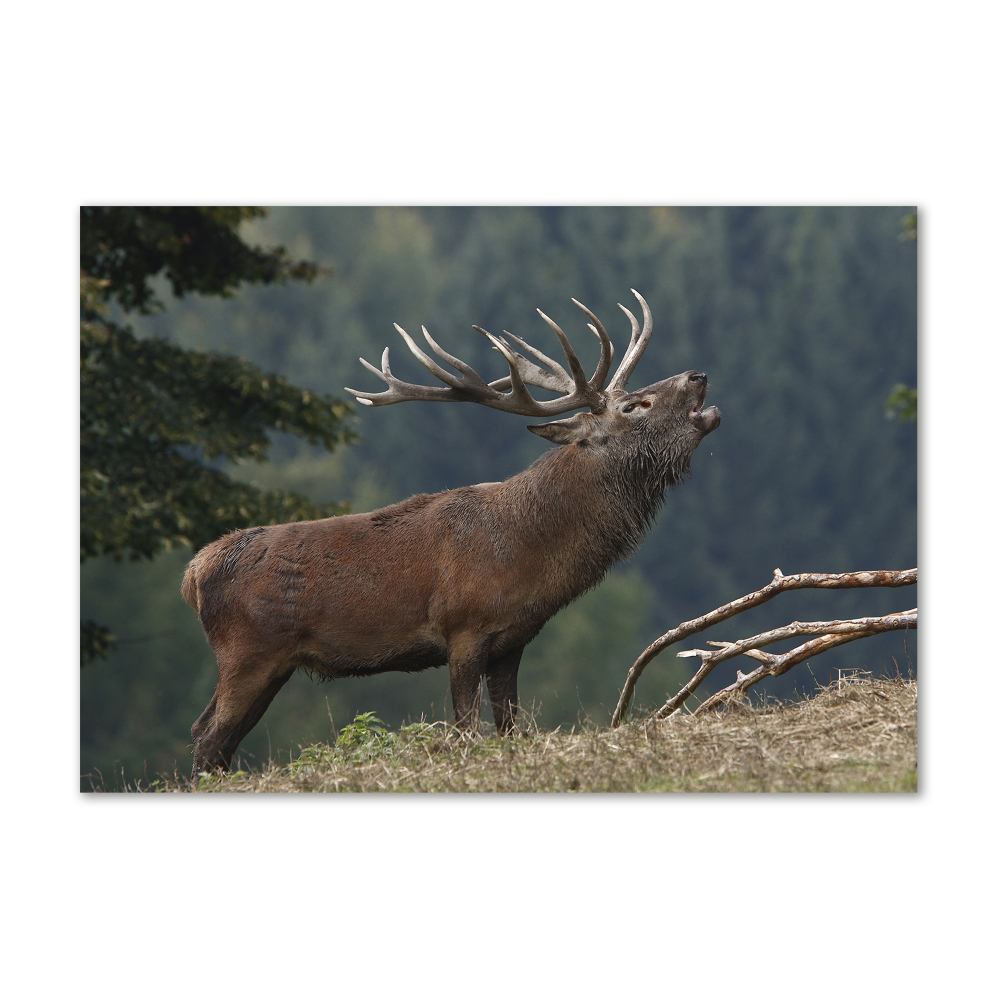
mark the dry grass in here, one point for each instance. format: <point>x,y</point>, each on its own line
<point>860,738</point>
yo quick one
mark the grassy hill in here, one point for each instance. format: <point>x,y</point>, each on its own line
<point>858,737</point>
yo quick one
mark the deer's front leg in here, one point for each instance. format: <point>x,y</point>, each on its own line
<point>467,657</point>
<point>501,681</point>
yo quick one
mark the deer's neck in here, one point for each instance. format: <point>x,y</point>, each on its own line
<point>584,508</point>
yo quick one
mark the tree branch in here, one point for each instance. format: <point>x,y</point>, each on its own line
<point>833,633</point>
<point>780,583</point>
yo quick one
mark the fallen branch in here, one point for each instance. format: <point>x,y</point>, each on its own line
<point>780,583</point>
<point>774,665</point>
<point>830,634</point>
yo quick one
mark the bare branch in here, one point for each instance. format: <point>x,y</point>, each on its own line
<point>774,666</point>
<point>780,583</point>
<point>832,633</point>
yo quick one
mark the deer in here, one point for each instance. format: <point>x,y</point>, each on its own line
<point>466,577</point>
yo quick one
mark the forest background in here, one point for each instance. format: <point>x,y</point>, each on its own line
<point>804,319</point>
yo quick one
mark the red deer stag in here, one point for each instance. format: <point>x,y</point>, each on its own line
<point>465,577</point>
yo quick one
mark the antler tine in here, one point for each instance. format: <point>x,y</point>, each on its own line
<point>576,369</point>
<point>636,347</point>
<point>530,373</point>
<point>519,394</point>
<point>611,347</point>
<point>471,376</point>
<point>377,371</point>
<point>429,363</point>
<point>607,351</point>
<point>635,327</point>
<point>367,398</point>
<point>544,358</point>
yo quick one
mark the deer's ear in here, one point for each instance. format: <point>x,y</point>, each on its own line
<point>574,428</point>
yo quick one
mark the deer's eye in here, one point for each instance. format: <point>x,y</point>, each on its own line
<point>644,403</point>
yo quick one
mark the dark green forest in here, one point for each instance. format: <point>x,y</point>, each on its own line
<point>805,320</point>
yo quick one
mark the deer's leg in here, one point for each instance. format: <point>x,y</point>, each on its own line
<point>205,719</point>
<point>466,665</point>
<point>501,682</point>
<point>242,697</point>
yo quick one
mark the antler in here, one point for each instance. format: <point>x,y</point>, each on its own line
<point>469,386</point>
<point>636,345</point>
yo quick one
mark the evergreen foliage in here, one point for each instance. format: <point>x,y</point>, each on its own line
<point>197,250</point>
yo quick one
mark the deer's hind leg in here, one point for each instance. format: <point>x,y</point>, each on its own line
<point>244,691</point>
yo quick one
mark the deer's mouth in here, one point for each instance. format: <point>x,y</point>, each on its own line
<point>706,420</point>
<point>702,393</point>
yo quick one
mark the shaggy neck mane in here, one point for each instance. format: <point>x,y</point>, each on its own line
<point>595,504</point>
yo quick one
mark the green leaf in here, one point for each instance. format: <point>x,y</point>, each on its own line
<point>901,403</point>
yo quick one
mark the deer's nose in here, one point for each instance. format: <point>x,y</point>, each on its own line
<point>698,378</point>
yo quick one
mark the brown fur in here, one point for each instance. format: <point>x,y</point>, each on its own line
<point>466,577</point>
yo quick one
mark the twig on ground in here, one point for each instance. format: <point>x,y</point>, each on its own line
<point>833,633</point>
<point>780,583</point>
